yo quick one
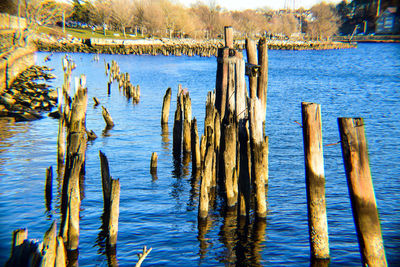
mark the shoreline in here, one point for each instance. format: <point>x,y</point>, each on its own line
<point>168,47</point>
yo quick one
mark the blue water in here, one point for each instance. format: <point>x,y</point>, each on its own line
<point>162,213</point>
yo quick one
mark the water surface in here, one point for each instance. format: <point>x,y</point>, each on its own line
<point>162,213</point>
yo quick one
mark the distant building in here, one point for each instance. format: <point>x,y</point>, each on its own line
<point>388,22</point>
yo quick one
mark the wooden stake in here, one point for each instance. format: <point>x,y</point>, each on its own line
<point>96,101</point>
<point>361,190</point>
<point>114,212</point>
<point>166,107</point>
<point>177,130</point>
<point>315,180</point>
<point>107,118</point>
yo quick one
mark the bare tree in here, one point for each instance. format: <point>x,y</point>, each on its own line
<point>122,14</point>
<point>101,13</point>
<point>249,22</point>
<point>283,24</point>
<point>47,12</point>
<point>324,23</point>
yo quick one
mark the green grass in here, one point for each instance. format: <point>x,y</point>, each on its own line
<point>86,33</point>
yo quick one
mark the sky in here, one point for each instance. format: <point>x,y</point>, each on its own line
<point>254,4</point>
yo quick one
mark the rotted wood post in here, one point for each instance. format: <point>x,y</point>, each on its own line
<point>114,212</point>
<point>315,180</point>
<point>229,163</point>
<point>60,253</point>
<point>187,111</point>
<point>196,156</point>
<point>361,190</point>
<point>49,187</point>
<point>107,118</point>
<point>19,236</point>
<point>262,84</point>
<point>75,158</point>
<point>228,31</point>
<point>166,107</point>
<point>50,246</point>
<point>111,196</point>
<point>178,123</point>
<point>259,148</point>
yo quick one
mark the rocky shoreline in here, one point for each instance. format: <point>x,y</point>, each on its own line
<point>27,98</point>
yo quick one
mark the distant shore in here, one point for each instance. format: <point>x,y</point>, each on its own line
<point>369,38</point>
<point>175,47</point>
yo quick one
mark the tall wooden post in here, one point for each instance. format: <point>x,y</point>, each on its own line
<point>251,51</point>
<point>228,31</point>
<point>166,107</point>
<point>187,120</point>
<point>361,190</point>
<point>315,180</point>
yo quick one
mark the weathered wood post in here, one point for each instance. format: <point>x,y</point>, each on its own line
<point>19,236</point>
<point>259,148</point>
<point>114,212</point>
<point>49,187</point>
<point>75,158</point>
<point>187,120</point>
<point>315,180</point>
<point>361,190</point>
<point>251,51</point>
<point>153,164</point>
<point>178,123</point>
<point>60,254</point>
<point>107,118</point>
<point>262,83</point>
<point>196,157</point>
<point>111,196</point>
<point>166,107</point>
<point>50,246</point>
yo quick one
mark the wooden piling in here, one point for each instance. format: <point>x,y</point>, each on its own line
<point>229,164</point>
<point>60,254</point>
<point>107,117</point>
<point>74,167</point>
<point>49,187</point>
<point>153,163</point>
<point>361,190</point>
<point>50,246</point>
<point>177,130</point>
<point>262,84</point>
<point>187,111</point>
<point>105,180</point>
<point>96,101</point>
<point>166,107</point>
<point>19,236</point>
<point>251,51</point>
<point>315,180</point>
<point>114,212</point>
<point>228,30</point>
<point>196,156</point>
<point>259,148</point>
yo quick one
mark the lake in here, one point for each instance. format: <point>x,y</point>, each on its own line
<point>162,213</point>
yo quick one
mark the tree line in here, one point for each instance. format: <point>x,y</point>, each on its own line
<point>168,18</point>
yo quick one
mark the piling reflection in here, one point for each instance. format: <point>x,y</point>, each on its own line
<point>185,163</point>
<point>203,227</point>
<point>194,190</point>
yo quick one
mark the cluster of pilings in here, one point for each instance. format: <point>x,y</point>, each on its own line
<point>124,83</point>
<point>62,248</point>
<point>234,148</point>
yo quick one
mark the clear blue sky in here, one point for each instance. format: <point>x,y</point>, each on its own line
<point>254,4</point>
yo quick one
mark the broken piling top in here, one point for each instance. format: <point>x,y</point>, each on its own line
<point>228,31</point>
